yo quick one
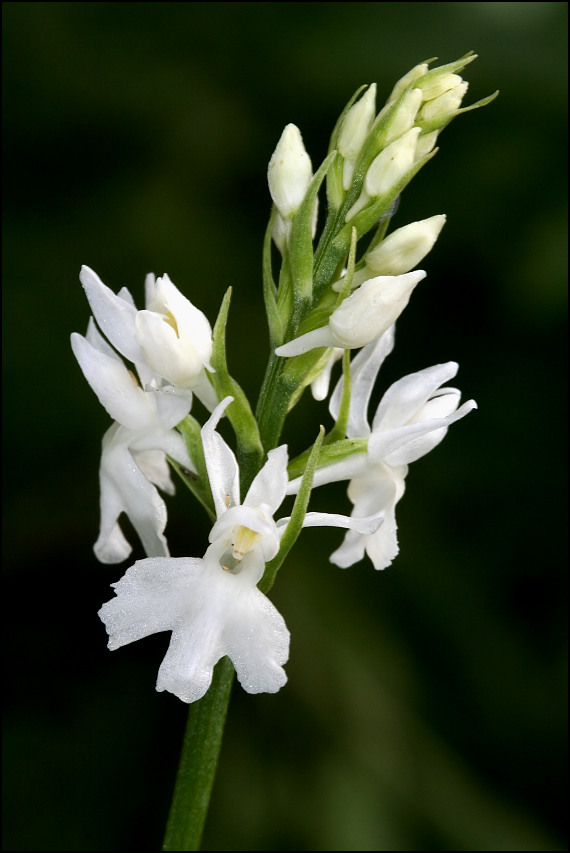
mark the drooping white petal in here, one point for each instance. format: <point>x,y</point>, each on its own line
<point>378,492</point>
<point>115,316</point>
<point>124,488</point>
<point>364,369</point>
<point>171,405</point>
<point>270,484</point>
<point>320,385</point>
<point>115,387</point>
<point>322,337</point>
<point>154,466</point>
<point>223,471</point>
<point>205,392</point>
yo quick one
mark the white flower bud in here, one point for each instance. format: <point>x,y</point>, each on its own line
<point>391,164</point>
<point>357,122</point>
<point>362,317</point>
<point>290,172</point>
<point>445,105</point>
<point>405,115</point>
<point>435,84</point>
<point>354,131</point>
<point>371,310</point>
<point>386,169</point>
<point>415,74</point>
<point>426,144</point>
<point>403,250</point>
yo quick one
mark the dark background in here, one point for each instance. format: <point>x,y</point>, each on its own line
<point>426,705</point>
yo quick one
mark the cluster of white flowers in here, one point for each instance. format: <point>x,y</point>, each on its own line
<point>212,604</point>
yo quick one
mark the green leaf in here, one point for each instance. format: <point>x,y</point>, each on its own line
<point>198,483</point>
<point>249,448</point>
<point>270,290</point>
<point>301,243</point>
<point>338,432</point>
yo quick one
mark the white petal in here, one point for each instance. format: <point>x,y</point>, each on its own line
<point>418,444</point>
<point>223,470</point>
<point>259,652</point>
<point>188,665</point>
<point>97,340</point>
<point>372,308</point>
<point>124,488</point>
<point>172,405</point>
<point>364,369</point>
<point>320,385</point>
<point>368,524</point>
<point>344,469</point>
<point>205,392</point>
<point>270,484</point>
<point>114,385</point>
<point>405,397</point>
<point>169,355</point>
<point>150,597</point>
<point>154,466</point>
<point>191,322</point>
<point>115,316</point>
<point>322,337</point>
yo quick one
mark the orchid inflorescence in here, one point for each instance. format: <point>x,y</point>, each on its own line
<point>147,365</point>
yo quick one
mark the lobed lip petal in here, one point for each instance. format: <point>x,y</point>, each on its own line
<point>210,612</point>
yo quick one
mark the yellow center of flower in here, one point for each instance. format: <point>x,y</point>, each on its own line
<point>244,539</point>
<point>171,320</point>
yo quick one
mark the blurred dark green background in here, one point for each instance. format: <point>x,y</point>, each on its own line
<point>426,705</point>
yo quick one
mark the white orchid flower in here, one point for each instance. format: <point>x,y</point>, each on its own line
<point>133,458</point>
<point>169,340</point>
<point>211,613</point>
<point>411,419</point>
<point>212,605</point>
<point>249,527</point>
<point>362,317</point>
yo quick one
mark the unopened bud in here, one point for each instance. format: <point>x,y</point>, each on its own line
<point>290,172</point>
<point>403,250</point>
<point>445,106</point>
<point>404,82</point>
<point>371,310</point>
<point>386,169</point>
<point>426,144</point>
<point>405,115</point>
<point>391,164</point>
<point>354,131</point>
<point>362,317</point>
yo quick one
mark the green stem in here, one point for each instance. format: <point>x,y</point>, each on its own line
<point>198,761</point>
